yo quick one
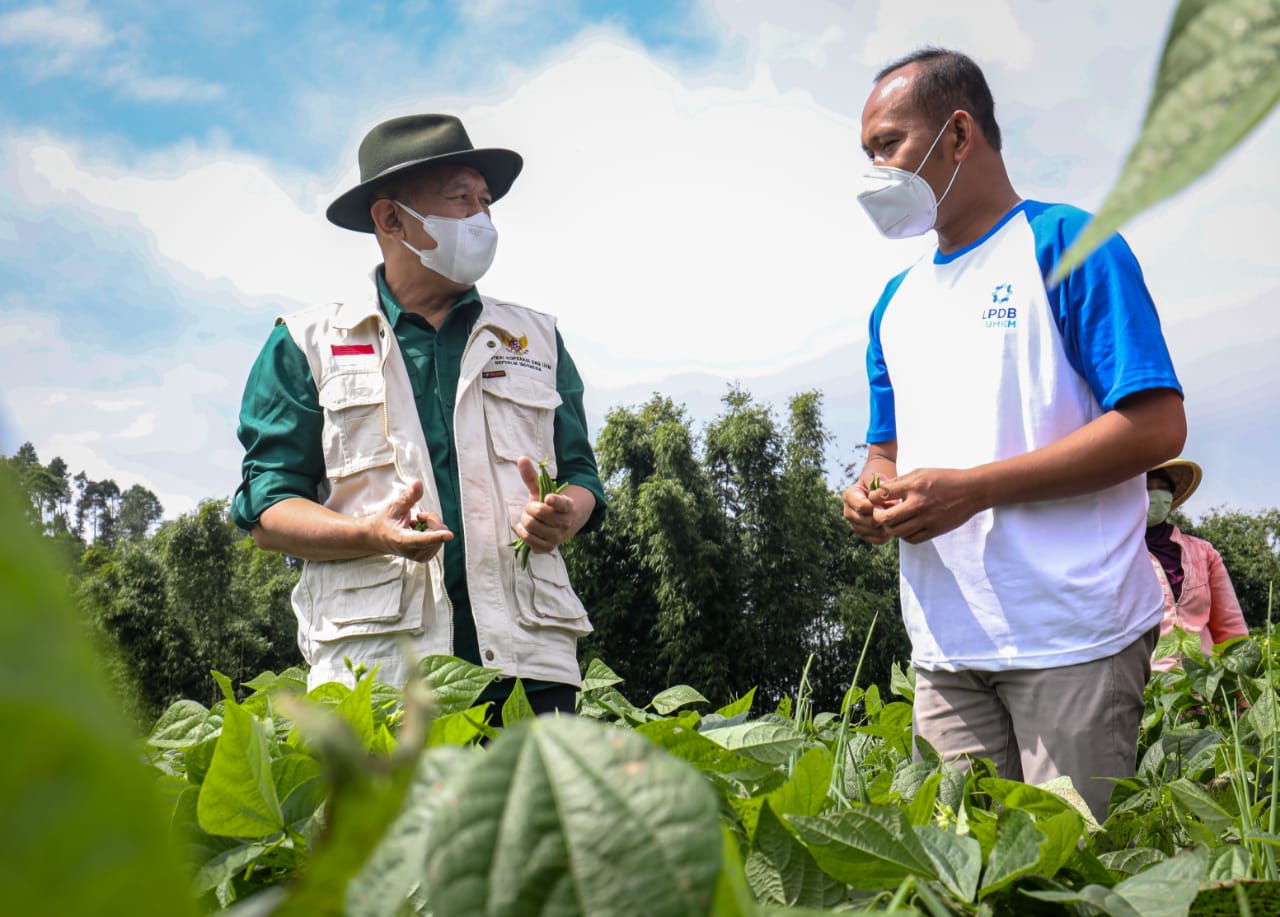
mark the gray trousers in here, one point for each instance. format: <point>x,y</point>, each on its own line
<point>1080,721</point>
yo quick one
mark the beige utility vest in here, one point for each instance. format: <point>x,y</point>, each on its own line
<point>388,610</point>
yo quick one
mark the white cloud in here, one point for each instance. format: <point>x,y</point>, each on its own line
<point>221,214</point>
<point>673,220</point>
<point>127,76</point>
<point>987,30</point>
<point>56,28</point>
<point>68,39</point>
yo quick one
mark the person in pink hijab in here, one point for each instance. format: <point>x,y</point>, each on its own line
<point>1198,595</point>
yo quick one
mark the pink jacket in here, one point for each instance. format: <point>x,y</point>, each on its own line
<point>1208,605</point>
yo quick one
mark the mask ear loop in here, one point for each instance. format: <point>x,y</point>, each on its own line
<point>425,228</point>
<point>928,153</point>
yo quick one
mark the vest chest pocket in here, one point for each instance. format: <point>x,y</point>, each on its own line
<point>520,415</point>
<point>545,598</point>
<point>355,424</point>
<point>363,596</point>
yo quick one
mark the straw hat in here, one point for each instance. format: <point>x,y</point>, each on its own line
<point>1185,475</point>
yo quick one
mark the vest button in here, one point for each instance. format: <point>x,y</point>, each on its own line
<point>488,654</point>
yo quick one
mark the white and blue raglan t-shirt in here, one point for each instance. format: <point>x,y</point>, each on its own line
<point>972,359</point>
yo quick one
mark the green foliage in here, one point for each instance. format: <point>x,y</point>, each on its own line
<point>194,597</point>
<point>1219,76</point>
<point>352,801</point>
<point>1250,549</point>
<point>724,562</point>
<point>81,824</point>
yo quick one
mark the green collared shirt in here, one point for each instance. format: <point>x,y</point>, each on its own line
<point>281,423</point>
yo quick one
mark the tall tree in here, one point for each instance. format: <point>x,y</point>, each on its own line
<point>1250,549</point>
<point>196,596</point>
<point>140,509</point>
<point>661,578</point>
<point>729,569</point>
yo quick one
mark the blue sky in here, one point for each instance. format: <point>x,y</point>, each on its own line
<point>687,206</point>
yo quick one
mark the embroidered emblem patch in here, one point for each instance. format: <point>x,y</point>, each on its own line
<point>517,345</point>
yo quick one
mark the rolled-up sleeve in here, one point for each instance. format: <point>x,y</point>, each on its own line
<point>280,428</point>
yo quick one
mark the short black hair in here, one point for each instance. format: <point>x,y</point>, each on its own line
<point>1161,475</point>
<point>949,81</point>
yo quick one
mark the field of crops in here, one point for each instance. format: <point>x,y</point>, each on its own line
<point>372,802</point>
<point>367,802</point>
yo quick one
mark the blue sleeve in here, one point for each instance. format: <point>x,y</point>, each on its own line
<point>1109,325</point>
<point>882,425</point>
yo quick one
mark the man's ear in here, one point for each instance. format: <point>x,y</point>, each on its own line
<point>965,129</point>
<point>386,218</point>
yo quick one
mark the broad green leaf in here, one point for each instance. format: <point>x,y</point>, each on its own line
<point>957,858</point>
<point>1131,860</point>
<point>368,794</point>
<point>224,682</point>
<point>356,709</point>
<point>605,702</point>
<point>292,679</point>
<point>1262,716</point>
<point>741,705</point>
<point>804,793</point>
<point>461,728</point>
<point>910,777</point>
<point>568,816</point>
<point>597,676</point>
<point>893,725</point>
<point>182,725</point>
<point>675,697</point>
<point>456,684</point>
<point>781,871</point>
<point>398,864</point>
<point>920,810</point>
<point>1183,750</point>
<point>82,828</point>
<point>1063,833</point>
<point>516,707</point>
<point>238,796</point>
<point>733,896</point>
<point>291,771</point>
<point>870,847</point>
<point>772,741</point>
<point>228,863</point>
<point>1227,863</point>
<point>1219,76</point>
<point>1190,799</point>
<point>692,746</point>
<point>1016,851</point>
<point>901,683</point>
<point>1167,889</point>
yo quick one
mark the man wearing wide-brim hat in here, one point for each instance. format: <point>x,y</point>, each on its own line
<point>391,442</point>
<point>1198,595</point>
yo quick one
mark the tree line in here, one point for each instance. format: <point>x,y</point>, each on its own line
<point>723,563</point>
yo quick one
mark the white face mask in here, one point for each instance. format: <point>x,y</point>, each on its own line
<point>464,247</point>
<point>901,203</point>
<point>1159,506</point>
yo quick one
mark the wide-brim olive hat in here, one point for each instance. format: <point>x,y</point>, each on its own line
<point>401,145</point>
<point>1185,475</point>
